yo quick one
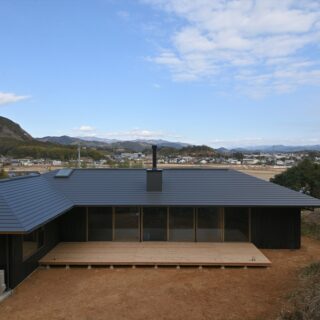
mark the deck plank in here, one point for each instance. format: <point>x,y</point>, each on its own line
<point>156,253</point>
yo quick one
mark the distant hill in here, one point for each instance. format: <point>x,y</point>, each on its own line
<point>277,148</point>
<point>73,141</point>
<point>129,145</point>
<point>223,150</point>
<point>190,150</point>
<point>11,130</point>
<point>65,140</point>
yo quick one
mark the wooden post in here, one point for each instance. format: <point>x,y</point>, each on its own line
<point>141,223</point>
<point>195,223</point>
<point>222,215</point>
<point>168,224</point>
<point>113,222</point>
<point>87,224</point>
<point>249,224</point>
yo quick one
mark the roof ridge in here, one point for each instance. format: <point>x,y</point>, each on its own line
<point>32,175</point>
<point>55,189</point>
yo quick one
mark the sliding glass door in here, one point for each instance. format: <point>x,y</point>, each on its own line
<point>236,224</point>
<point>209,224</point>
<point>100,224</point>
<point>203,224</point>
<point>181,224</point>
<point>155,224</point>
<point>127,224</point>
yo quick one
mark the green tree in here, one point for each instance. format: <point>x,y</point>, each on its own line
<point>304,177</point>
<point>3,174</point>
<point>237,155</point>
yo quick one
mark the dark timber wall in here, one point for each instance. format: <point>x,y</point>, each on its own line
<point>20,269</point>
<point>3,251</point>
<point>276,228</point>
<point>69,227</point>
<point>4,255</point>
<point>73,225</point>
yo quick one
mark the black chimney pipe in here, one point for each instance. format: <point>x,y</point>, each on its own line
<point>154,175</point>
<point>154,157</point>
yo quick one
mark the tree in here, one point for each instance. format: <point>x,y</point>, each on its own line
<point>305,177</point>
<point>237,155</point>
<point>3,174</point>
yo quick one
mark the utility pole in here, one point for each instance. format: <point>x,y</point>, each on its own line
<point>79,156</point>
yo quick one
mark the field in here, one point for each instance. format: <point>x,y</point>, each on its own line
<point>165,293</point>
<point>262,172</point>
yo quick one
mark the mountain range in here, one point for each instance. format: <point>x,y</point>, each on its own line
<point>273,149</point>
<point>137,145</point>
<point>12,134</point>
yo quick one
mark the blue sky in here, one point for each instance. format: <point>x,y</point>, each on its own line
<point>223,73</point>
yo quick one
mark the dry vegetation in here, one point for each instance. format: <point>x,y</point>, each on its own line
<point>305,301</point>
<point>311,223</point>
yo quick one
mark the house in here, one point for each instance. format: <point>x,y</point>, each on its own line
<point>137,205</point>
<point>250,161</point>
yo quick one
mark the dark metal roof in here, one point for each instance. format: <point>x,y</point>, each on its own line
<point>198,187</point>
<point>27,203</point>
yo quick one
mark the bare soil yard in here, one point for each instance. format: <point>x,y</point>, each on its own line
<point>164,293</point>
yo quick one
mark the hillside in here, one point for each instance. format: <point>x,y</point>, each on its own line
<point>11,130</point>
<point>17,143</point>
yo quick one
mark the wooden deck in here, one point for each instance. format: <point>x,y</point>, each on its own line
<point>155,254</point>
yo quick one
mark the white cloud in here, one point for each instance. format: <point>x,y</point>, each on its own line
<point>276,39</point>
<point>84,131</point>
<point>132,134</point>
<point>86,128</point>
<point>7,98</point>
<point>137,133</point>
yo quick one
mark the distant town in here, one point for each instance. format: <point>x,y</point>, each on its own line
<point>15,167</point>
<point>21,154</point>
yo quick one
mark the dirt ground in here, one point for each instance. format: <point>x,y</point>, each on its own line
<point>163,293</point>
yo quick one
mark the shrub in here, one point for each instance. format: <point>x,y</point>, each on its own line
<point>306,300</point>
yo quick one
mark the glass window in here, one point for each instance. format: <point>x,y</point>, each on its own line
<point>209,224</point>
<point>181,224</point>
<point>100,224</point>
<point>155,224</point>
<point>127,224</point>
<point>32,242</point>
<point>236,224</point>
